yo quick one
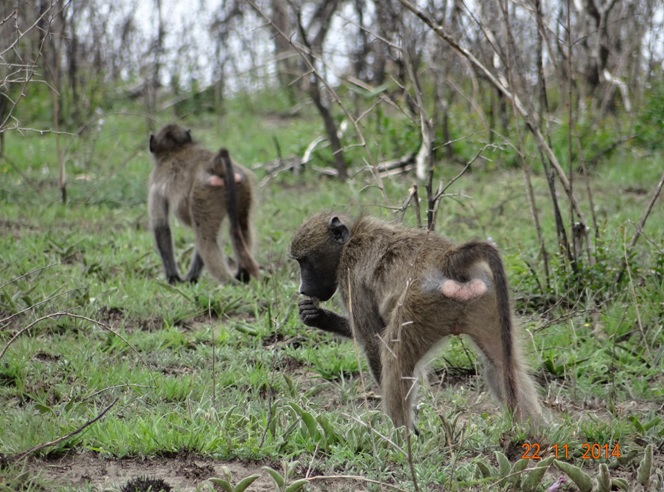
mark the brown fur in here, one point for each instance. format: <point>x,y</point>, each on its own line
<point>194,184</point>
<point>405,290</point>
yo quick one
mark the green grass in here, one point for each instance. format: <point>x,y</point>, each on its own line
<point>230,373</point>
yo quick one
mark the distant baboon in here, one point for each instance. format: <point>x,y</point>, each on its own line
<point>405,290</point>
<point>201,188</point>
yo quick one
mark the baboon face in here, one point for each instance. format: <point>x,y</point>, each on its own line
<point>317,246</point>
<point>169,138</point>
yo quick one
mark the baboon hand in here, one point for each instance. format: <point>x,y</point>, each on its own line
<point>311,314</point>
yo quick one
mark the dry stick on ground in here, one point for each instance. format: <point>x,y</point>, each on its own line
<point>639,228</point>
<point>31,307</point>
<point>39,447</point>
<point>514,99</point>
<point>354,478</point>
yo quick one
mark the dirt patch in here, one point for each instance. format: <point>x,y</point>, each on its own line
<point>183,473</point>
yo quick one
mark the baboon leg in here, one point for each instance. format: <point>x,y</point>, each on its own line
<point>208,248</point>
<point>403,348</point>
<point>368,331</point>
<point>164,242</point>
<point>195,267</point>
<point>242,243</point>
<point>206,223</point>
<point>244,219</point>
<point>527,406</point>
<point>158,210</point>
<point>373,352</point>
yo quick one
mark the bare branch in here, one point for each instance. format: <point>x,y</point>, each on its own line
<point>39,447</point>
<point>639,228</point>
<point>513,98</point>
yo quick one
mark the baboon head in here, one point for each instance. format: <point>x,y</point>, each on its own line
<point>169,138</point>
<point>317,246</point>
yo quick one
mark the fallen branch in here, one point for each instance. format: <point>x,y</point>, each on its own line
<point>39,447</point>
<point>400,162</point>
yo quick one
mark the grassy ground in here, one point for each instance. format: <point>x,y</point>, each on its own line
<point>201,377</point>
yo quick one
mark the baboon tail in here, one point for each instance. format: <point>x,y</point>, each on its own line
<point>231,191</point>
<point>459,262</point>
<point>246,264</point>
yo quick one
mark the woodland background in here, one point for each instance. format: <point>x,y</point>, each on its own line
<point>539,124</point>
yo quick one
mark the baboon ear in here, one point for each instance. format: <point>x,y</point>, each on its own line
<point>151,143</point>
<point>339,230</point>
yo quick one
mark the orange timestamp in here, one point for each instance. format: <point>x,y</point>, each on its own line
<point>589,451</point>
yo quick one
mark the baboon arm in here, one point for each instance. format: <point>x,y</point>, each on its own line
<point>312,315</point>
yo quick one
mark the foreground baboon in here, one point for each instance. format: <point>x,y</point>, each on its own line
<point>200,188</point>
<point>405,290</point>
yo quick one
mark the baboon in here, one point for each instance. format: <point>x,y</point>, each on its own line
<point>201,188</point>
<point>405,290</point>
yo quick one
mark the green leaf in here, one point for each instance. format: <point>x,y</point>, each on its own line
<point>43,408</point>
<point>245,329</point>
<point>483,469</point>
<point>245,482</point>
<point>309,421</point>
<point>222,483</point>
<point>604,478</point>
<point>637,425</point>
<point>619,483</point>
<point>504,466</point>
<point>652,423</point>
<point>297,485</point>
<point>517,470</point>
<point>330,433</point>
<point>579,477</point>
<point>291,387</point>
<point>276,476</point>
<point>535,476</point>
<point>645,467</point>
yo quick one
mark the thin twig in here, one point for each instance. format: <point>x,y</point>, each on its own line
<point>302,52</point>
<point>523,112</point>
<point>639,228</point>
<point>356,478</point>
<point>39,447</point>
<point>31,307</point>
<point>463,171</point>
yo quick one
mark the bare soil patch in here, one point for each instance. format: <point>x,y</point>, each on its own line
<point>183,473</point>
